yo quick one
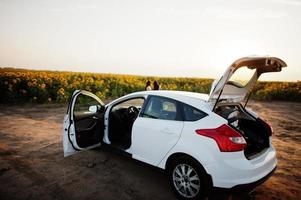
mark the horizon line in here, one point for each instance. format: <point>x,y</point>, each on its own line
<point>125,74</point>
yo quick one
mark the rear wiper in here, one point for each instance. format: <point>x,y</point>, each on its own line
<point>148,115</point>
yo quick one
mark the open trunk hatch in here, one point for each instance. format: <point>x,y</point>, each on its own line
<point>239,79</point>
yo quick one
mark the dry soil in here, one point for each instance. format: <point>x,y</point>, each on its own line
<point>32,165</point>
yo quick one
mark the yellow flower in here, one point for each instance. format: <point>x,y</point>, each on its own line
<point>61,91</point>
<point>42,86</point>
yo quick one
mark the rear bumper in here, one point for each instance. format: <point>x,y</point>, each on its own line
<point>233,169</point>
<point>245,187</point>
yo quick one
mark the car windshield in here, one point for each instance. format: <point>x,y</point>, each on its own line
<point>241,76</point>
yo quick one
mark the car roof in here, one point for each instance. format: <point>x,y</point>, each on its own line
<point>174,94</point>
<point>195,99</point>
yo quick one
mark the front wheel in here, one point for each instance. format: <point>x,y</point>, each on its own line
<point>187,178</point>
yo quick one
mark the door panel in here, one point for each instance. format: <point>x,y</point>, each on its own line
<point>88,130</point>
<point>83,123</point>
<point>156,130</point>
<point>153,138</point>
<point>88,125</point>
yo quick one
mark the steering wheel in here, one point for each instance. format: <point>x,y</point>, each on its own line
<point>132,112</point>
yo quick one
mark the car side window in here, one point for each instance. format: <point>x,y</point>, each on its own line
<point>192,114</point>
<point>82,104</point>
<point>161,108</point>
<point>137,102</point>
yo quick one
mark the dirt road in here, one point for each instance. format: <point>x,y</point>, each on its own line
<point>32,164</point>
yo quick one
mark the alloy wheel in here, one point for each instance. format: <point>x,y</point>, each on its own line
<point>186,180</point>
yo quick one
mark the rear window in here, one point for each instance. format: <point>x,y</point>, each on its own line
<point>241,76</point>
<point>192,114</point>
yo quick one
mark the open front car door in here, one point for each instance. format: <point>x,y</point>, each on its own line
<point>83,123</point>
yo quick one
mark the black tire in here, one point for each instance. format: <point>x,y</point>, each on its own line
<point>198,170</point>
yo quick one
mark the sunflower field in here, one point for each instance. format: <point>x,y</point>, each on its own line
<point>19,85</point>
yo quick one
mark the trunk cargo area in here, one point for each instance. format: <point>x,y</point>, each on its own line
<point>255,131</point>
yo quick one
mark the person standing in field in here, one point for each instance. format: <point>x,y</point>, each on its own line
<point>148,86</point>
<point>156,85</point>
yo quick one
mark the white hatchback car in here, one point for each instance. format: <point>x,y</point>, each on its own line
<point>202,141</point>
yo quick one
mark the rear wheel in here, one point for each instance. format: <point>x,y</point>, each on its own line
<point>187,178</point>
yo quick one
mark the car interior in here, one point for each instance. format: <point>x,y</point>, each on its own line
<point>121,119</point>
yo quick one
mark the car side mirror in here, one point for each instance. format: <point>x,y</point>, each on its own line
<point>93,109</point>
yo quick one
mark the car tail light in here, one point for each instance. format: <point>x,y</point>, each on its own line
<point>227,139</point>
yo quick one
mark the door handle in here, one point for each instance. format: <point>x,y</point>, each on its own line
<point>167,131</point>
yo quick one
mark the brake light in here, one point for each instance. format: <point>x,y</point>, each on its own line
<point>227,139</point>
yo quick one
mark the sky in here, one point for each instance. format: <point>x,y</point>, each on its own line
<point>183,38</point>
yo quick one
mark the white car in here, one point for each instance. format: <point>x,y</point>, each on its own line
<point>202,141</point>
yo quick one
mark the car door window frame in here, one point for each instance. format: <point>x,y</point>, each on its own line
<point>183,113</point>
<point>180,108</point>
<point>70,118</point>
<point>179,114</point>
<point>120,102</point>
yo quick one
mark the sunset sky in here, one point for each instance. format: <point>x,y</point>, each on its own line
<point>185,38</point>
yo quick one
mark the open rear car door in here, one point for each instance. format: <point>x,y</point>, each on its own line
<point>235,86</point>
<point>83,123</point>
